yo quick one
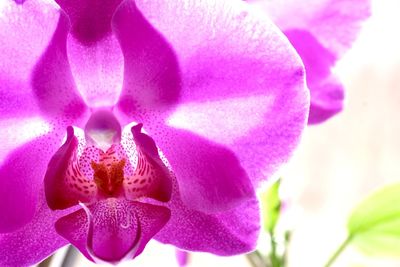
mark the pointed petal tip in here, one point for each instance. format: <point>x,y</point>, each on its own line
<point>136,129</point>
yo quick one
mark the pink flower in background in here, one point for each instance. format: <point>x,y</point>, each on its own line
<point>123,121</point>
<point>321,31</point>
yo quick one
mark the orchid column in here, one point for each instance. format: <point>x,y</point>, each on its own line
<point>201,99</point>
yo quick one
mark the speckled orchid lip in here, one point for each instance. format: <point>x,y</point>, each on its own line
<point>130,252</point>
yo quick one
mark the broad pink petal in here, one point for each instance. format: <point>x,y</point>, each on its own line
<point>35,76</point>
<point>258,114</point>
<point>118,229</point>
<point>35,20</point>
<point>33,242</point>
<point>16,99</point>
<point>210,176</point>
<point>225,233</point>
<point>19,54</point>
<point>21,177</point>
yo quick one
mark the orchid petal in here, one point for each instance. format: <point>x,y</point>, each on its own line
<point>258,115</point>
<point>42,76</point>
<point>115,228</point>
<point>151,75</point>
<point>321,32</point>
<point>94,54</point>
<point>16,99</point>
<point>210,177</point>
<point>19,54</point>
<point>21,177</point>
<point>36,20</point>
<point>97,70</point>
<point>33,242</point>
<point>327,92</point>
<point>52,81</point>
<point>225,233</point>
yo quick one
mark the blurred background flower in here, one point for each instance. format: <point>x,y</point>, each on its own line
<point>321,31</point>
<point>354,153</point>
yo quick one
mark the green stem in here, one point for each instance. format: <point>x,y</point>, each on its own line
<point>275,262</point>
<point>338,251</point>
<point>285,251</point>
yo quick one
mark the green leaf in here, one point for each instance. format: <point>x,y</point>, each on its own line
<point>374,226</point>
<point>270,206</point>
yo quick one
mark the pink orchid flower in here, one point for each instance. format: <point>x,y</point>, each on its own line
<point>123,121</point>
<point>321,31</point>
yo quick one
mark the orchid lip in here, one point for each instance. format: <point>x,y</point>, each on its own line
<point>129,254</point>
